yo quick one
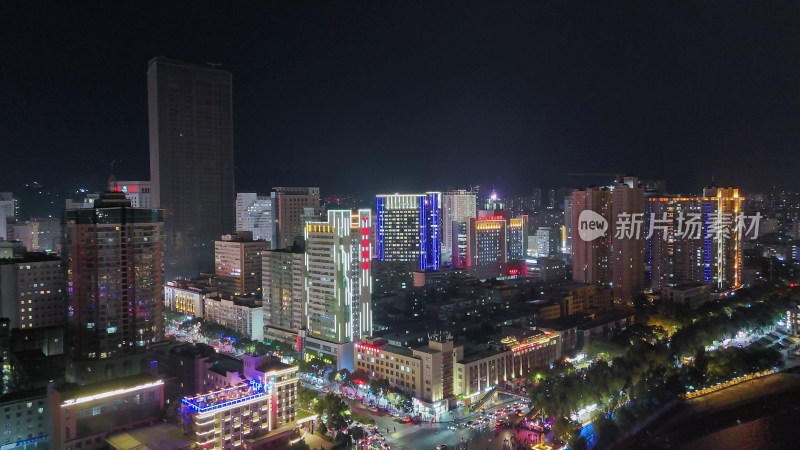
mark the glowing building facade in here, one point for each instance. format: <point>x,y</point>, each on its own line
<point>408,229</point>
<point>457,206</point>
<point>338,277</point>
<point>708,254</point>
<point>229,417</point>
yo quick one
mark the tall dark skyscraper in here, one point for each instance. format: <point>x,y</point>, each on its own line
<point>191,160</point>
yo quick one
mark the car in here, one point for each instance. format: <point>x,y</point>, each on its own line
<point>441,447</point>
<point>452,427</point>
<point>406,419</point>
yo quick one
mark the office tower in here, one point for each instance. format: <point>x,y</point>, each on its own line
<point>237,264</point>
<point>9,213</point>
<point>457,206</point>
<point>459,243</point>
<point>254,213</point>
<point>686,248</point>
<point>547,242</point>
<point>289,204</point>
<point>408,229</point>
<point>40,234</point>
<point>283,288</point>
<point>33,293</point>
<point>627,267</point>
<point>517,236</point>
<point>140,193</point>
<point>338,286</point>
<point>487,241</point>
<point>191,160</point>
<point>591,260</point>
<point>113,255</point>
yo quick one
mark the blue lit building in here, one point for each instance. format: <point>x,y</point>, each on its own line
<point>408,229</point>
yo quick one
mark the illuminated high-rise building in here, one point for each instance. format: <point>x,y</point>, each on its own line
<point>115,284</point>
<point>408,229</point>
<point>494,239</point>
<point>191,160</point>
<point>283,289</point>
<point>290,205</point>
<point>627,197</point>
<point>687,247</point>
<point>591,260</point>
<point>338,277</point>
<point>517,236</point>
<point>487,241</point>
<point>457,206</point>
<point>237,264</point>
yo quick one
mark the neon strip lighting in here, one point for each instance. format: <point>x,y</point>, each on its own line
<point>368,348</point>
<point>90,398</point>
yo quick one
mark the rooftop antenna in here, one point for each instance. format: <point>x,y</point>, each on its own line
<point>112,180</point>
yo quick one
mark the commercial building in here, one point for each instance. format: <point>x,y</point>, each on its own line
<point>9,213</point>
<point>25,419</point>
<point>237,264</point>
<point>577,298</point>
<point>228,418</point>
<point>491,240</point>
<point>40,234</point>
<point>440,373</point>
<point>190,112</point>
<point>255,213</point>
<point>408,229</point>
<point>457,206</point>
<point>113,254</point>
<point>546,269</point>
<point>517,355</point>
<point>338,277</point>
<point>187,296</point>
<point>245,315</point>
<point>692,295</point>
<point>290,204</point>
<point>33,292</point>
<point>548,242</point>
<point>283,289</point>
<point>140,193</point>
<point>83,416</point>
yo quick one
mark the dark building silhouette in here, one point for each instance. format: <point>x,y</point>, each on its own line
<point>191,160</point>
<point>113,256</point>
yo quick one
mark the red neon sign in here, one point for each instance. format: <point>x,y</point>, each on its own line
<point>513,271</point>
<point>494,217</point>
<point>359,381</point>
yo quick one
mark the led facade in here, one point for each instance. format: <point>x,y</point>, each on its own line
<point>408,229</point>
<point>338,276</point>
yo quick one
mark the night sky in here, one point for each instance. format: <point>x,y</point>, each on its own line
<point>375,96</point>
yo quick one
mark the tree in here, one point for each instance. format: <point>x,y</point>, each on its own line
<point>301,445</point>
<point>306,397</point>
